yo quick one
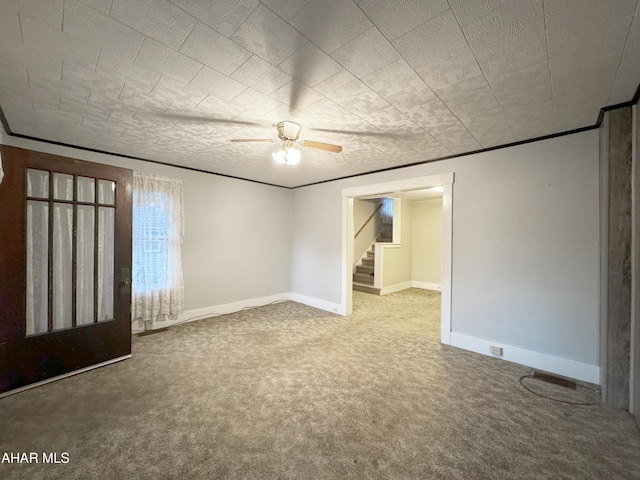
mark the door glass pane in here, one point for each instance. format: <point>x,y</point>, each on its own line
<point>37,267</point>
<point>62,265</point>
<point>37,183</point>
<point>106,192</point>
<point>106,232</point>
<point>82,266</point>
<point>85,264</point>
<point>62,186</point>
<point>86,189</point>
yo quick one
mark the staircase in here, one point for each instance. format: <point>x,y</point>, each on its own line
<point>364,275</point>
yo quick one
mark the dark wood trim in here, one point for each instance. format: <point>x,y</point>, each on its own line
<point>74,255</point>
<point>12,249</point>
<point>636,96</point>
<point>50,256</point>
<point>132,157</point>
<point>635,266</point>
<point>457,155</point>
<point>632,102</point>
<point>5,123</point>
<point>68,202</point>
<point>96,213</point>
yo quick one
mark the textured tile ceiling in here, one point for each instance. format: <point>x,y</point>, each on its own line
<point>392,81</point>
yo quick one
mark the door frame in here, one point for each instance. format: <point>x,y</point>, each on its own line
<point>445,180</point>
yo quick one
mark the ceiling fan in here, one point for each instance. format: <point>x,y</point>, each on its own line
<point>288,133</point>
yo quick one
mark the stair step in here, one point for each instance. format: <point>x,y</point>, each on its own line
<point>364,278</point>
<point>366,288</point>
<point>368,269</point>
<point>368,261</point>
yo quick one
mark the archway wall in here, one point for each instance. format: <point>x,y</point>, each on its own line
<point>524,242</point>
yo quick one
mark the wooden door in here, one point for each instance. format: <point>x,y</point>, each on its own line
<point>65,266</point>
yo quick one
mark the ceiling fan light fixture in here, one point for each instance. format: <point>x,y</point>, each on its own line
<point>287,156</point>
<point>288,133</point>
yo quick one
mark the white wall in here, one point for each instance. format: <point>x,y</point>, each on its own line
<point>397,261</point>
<point>427,241</point>
<point>237,233</point>
<point>525,244</point>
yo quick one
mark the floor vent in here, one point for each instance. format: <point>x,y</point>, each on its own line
<point>547,377</point>
<point>151,332</point>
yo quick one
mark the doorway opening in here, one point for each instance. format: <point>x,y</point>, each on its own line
<point>400,188</point>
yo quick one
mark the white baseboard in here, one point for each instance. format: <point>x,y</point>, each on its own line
<point>214,310</point>
<point>317,303</point>
<point>223,309</point>
<point>410,284</point>
<point>396,288</point>
<point>427,285</point>
<point>549,363</point>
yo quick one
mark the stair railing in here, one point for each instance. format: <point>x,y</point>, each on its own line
<point>368,220</point>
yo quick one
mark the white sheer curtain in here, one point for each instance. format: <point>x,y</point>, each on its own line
<point>62,264</point>
<point>37,267</point>
<point>64,243</point>
<point>106,245</point>
<point>37,253</point>
<point>158,207</point>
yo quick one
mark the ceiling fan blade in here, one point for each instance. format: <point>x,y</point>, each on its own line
<point>303,65</point>
<point>270,140</point>
<point>196,118</point>
<point>327,147</point>
<point>365,134</point>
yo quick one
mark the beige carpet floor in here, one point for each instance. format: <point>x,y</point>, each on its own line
<point>286,391</point>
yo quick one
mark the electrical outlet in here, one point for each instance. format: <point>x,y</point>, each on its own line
<point>495,350</point>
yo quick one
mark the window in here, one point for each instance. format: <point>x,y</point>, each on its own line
<point>151,246</point>
<point>387,210</point>
<point>158,232</point>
